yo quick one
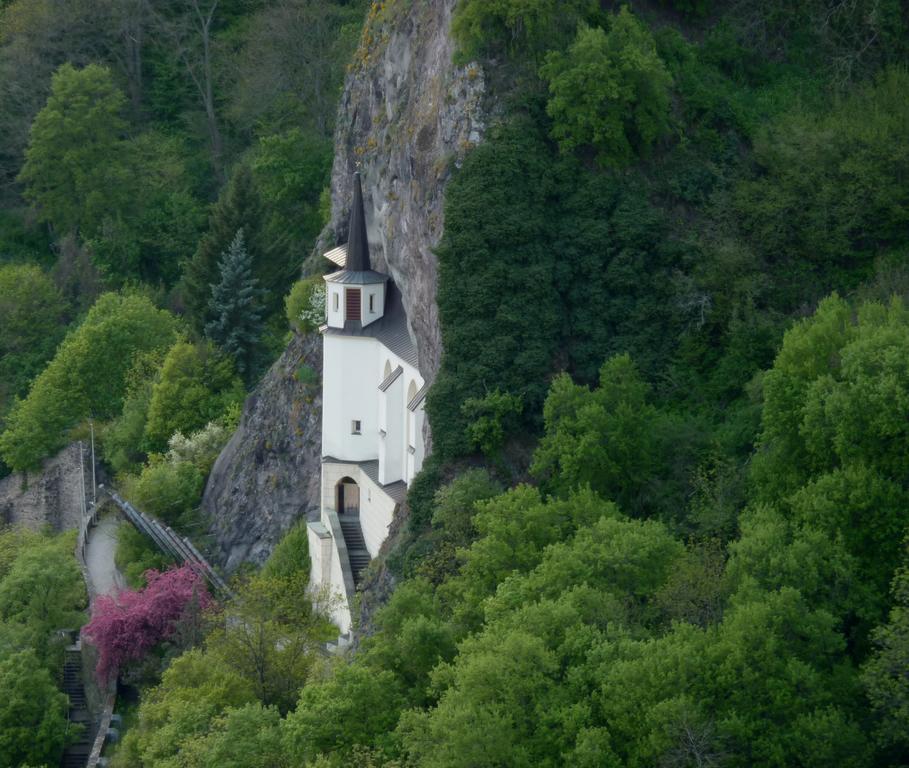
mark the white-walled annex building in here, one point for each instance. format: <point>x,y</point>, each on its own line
<point>372,417</point>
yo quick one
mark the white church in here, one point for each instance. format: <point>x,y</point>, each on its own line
<point>372,417</point>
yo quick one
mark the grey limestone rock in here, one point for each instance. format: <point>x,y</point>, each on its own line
<point>267,477</point>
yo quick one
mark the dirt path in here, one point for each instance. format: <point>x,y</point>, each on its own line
<point>100,552</point>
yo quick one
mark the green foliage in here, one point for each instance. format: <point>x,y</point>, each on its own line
<point>170,491</point>
<point>831,194</point>
<point>455,504</point>
<point>75,165</point>
<point>42,590</point>
<point>291,170</point>
<point>33,724</point>
<point>491,418</point>
<point>834,409</point>
<point>412,638</point>
<point>610,91</point>
<point>521,27</point>
<point>243,737</point>
<point>271,635</point>
<point>602,438</point>
<point>196,385</point>
<point>20,241</point>
<point>122,440</point>
<point>305,305</point>
<point>32,312</point>
<point>494,266</point>
<point>290,559</point>
<point>156,228</point>
<point>759,690</point>
<point>514,530</point>
<point>136,554</point>
<point>884,674</point>
<point>236,310</point>
<point>239,207</point>
<point>195,690</point>
<point>87,376</point>
<point>354,706</point>
<point>625,559</point>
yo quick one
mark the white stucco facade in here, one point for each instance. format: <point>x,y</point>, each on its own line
<point>372,423</point>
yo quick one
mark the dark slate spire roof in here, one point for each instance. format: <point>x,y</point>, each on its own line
<point>357,244</point>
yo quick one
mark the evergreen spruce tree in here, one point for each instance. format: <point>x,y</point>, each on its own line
<point>239,207</point>
<point>236,309</point>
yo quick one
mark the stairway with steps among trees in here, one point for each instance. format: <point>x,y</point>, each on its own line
<point>76,754</point>
<point>357,552</point>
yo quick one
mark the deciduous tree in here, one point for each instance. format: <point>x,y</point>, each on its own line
<point>75,168</point>
<point>609,91</point>
<point>128,625</point>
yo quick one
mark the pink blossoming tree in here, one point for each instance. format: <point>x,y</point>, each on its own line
<point>127,626</point>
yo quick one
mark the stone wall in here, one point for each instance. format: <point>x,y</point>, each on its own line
<point>51,497</point>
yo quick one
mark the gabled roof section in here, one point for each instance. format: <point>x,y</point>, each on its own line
<point>390,330</point>
<point>357,242</point>
<point>391,379</point>
<point>418,398</point>
<point>337,255</point>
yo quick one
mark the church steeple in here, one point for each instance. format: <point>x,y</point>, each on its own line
<point>357,242</point>
<point>356,293</point>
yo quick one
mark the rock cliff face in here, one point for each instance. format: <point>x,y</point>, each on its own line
<point>267,477</point>
<point>52,497</point>
<point>406,118</point>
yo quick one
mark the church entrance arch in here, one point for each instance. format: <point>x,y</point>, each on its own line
<point>347,496</point>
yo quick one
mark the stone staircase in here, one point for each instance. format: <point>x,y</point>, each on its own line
<point>76,754</point>
<point>357,552</point>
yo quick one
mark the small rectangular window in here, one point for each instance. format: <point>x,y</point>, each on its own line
<point>372,303</point>
<point>334,302</point>
<point>355,427</point>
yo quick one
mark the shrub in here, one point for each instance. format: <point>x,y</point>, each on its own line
<point>168,490</point>
<point>490,418</point>
<point>290,559</point>
<point>305,305</point>
<point>521,27</point>
<point>195,387</point>
<point>201,448</point>
<point>609,91</point>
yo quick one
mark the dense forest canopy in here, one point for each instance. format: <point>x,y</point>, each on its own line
<point>665,520</point>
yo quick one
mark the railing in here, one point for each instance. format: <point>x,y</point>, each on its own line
<point>103,729</point>
<point>167,540</point>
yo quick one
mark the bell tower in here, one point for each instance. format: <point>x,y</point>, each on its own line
<point>355,295</point>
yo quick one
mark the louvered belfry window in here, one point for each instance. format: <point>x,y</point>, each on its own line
<point>352,304</point>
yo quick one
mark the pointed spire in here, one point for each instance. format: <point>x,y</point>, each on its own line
<point>357,244</point>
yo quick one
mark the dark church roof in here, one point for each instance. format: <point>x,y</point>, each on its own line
<point>357,242</point>
<point>353,258</point>
<point>390,329</point>
<point>356,278</point>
